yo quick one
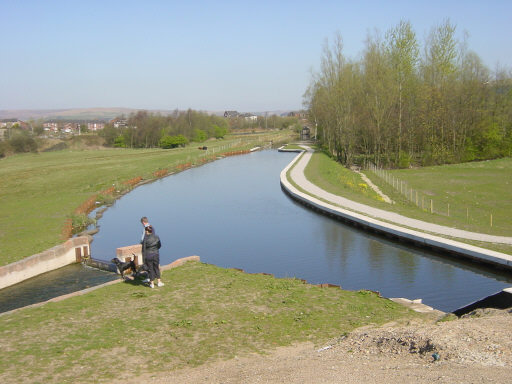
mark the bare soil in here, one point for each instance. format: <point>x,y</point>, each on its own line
<point>476,348</point>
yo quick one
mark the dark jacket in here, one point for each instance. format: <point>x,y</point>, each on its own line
<point>151,244</point>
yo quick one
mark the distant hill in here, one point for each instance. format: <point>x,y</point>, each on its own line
<point>103,114</point>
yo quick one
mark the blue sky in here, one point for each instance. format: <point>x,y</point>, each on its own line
<point>250,56</point>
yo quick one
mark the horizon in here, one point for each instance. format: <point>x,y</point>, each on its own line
<point>60,113</point>
<point>208,56</point>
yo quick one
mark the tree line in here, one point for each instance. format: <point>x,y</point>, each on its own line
<point>147,130</point>
<point>396,106</point>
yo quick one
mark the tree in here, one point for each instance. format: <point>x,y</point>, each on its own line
<point>378,94</point>
<point>404,55</point>
<point>199,135</point>
<point>393,106</point>
<point>439,72</point>
<point>219,132</point>
<point>109,133</point>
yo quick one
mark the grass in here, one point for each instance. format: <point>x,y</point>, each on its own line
<point>293,147</point>
<point>479,188</point>
<point>334,178</point>
<point>42,192</point>
<point>203,313</point>
<point>464,195</point>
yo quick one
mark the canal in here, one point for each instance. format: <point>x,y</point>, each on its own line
<point>233,213</point>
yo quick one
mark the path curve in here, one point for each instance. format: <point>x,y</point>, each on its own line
<point>298,177</point>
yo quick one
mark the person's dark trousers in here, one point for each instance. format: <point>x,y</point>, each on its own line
<point>153,264</point>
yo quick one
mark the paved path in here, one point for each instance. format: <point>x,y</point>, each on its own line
<point>297,175</point>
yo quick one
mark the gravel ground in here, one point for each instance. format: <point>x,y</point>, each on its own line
<point>474,349</point>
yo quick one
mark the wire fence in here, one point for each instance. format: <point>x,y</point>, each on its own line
<point>427,203</point>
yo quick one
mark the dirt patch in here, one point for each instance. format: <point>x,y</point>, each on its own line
<point>475,348</point>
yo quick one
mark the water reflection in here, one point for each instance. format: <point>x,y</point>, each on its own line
<point>232,213</point>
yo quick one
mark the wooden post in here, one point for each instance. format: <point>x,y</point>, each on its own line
<point>431,206</point>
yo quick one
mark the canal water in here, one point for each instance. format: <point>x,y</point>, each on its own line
<point>71,278</point>
<point>233,213</point>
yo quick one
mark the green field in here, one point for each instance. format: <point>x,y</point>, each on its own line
<point>204,313</point>
<point>473,191</point>
<point>40,192</point>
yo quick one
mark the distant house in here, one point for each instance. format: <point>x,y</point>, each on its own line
<point>95,126</point>
<point>51,126</point>
<point>118,123</point>
<point>231,114</point>
<point>299,114</point>
<point>6,124</point>
<point>249,116</point>
<point>71,127</point>
<point>9,123</point>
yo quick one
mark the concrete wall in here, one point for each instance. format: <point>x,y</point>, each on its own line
<point>421,239</point>
<point>130,252</point>
<point>71,251</point>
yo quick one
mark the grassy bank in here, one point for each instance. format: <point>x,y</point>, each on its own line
<point>203,313</point>
<point>478,188</point>
<point>42,192</point>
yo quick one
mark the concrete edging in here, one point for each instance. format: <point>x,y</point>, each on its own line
<point>174,264</point>
<point>59,256</point>
<point>496,259</point>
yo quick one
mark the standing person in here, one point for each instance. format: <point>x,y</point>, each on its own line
<point>145,223</point>
<point>150,246</point>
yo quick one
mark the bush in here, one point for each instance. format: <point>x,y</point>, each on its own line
<point>199,136</point>
<point>167,141</point>
<point>23,142</point>
<point>4,148</point>
<point>219,132</point>
<point>404,161</point>
<point>119,142</point>
<point>80,222</point>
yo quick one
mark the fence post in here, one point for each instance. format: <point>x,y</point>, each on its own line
<point>431,206</point>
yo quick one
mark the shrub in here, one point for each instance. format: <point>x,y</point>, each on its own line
<point>167,141</point>
<point>119,142</point>
<point>4,148</point>
<point>23,142</point>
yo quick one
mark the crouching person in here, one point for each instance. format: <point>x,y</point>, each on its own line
<point>150,251</point>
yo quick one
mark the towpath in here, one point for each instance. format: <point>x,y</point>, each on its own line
<point>298,177</point>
